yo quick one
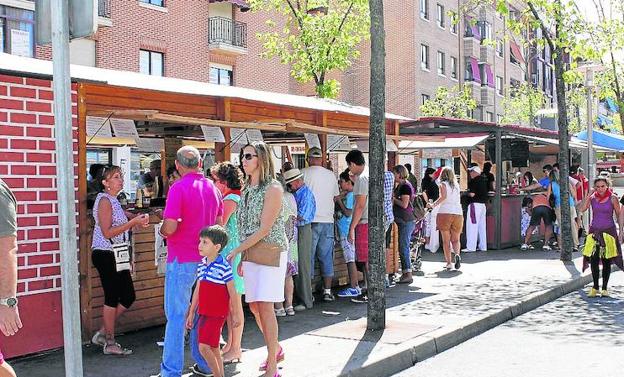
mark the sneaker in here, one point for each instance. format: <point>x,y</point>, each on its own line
<point>524,247</point>
<point>360,299</point>
<point>98,339</point>
<point>604,293</point>
<point>448,267</point>
<point>349,292</point>
<point>468,251</point>
<point>198,372</point>
<point>328,297</point>
<point>592,293</point>
<point>457,261</point>
<point>280,312</point>
<point>300,308</point>
<point>546,248</point>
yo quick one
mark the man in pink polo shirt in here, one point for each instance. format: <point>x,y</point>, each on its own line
<point>193,203</point>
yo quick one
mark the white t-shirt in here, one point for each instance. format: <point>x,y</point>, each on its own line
<point>452,203</point>
<point>324,185</point>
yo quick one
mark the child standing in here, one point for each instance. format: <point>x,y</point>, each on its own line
<point>215,295</point>
<point>345,202</point>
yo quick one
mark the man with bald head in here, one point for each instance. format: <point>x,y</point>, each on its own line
<point>193,203</point>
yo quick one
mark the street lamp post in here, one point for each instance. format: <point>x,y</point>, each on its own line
<point>589,84</point>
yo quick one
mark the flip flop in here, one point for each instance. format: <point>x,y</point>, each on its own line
<point>234,360</point>
<point>121,352</point>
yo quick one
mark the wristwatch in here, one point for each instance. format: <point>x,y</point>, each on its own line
<point>11,302</point>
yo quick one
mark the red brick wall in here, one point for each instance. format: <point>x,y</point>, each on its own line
<point>28,166</point>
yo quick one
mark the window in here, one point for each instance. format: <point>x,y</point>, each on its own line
<point>441,63</point>
<point>440,18</point>
<point>500,48</point>
<point>151,63</point>
<point>424,9</point>
<point>221,76</point>
<point>499,118</point>
<point>158,3</point>
<point>485,29</point>
<point>424,57</point>
<point>453,67</point>
<point>454,22</point>
<point>489,117</point>
<point>468,71</point>
<point>425,98</point>
<point>17,32</point>
<point>499,85</point>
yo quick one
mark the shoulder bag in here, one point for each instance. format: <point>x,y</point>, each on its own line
<point>121,252</point>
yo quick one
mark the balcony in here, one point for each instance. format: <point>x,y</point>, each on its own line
<point>487,54</point>
<point>472,47</point>
<point>487,95</point>
<point>227,36</point>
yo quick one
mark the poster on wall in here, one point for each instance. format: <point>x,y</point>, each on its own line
<point>20,43</point>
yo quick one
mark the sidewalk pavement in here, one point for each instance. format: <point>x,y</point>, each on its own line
<point>438,311</point>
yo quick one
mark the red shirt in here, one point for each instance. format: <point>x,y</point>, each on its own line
<point>582,190</point>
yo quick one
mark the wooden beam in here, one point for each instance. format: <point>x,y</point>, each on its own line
<point>224,150</point>
<point>84,249</point>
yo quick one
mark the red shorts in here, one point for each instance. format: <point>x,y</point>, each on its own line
<point>361,243</point>
<point>209,331</point>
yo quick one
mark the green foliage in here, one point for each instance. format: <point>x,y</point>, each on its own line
<point>314,43</point>
<point>522,104</point>
<point>453,103</point>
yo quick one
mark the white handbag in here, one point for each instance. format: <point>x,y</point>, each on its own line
<point>121,252</point>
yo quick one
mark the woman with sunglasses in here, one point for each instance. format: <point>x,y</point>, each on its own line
<point>602,245</point>
<point>112,227</point>
<point>260,218</point>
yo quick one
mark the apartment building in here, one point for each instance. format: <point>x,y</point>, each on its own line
<point>214,41</point>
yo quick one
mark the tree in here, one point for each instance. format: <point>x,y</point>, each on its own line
<point>607,36</point>
<point>560,26</point>
<point>314,37</point>
<point>453,103</point>
<point>522,103</point>
<point>376,318</point>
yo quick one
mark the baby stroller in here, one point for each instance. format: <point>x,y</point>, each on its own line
<point>417,243</point>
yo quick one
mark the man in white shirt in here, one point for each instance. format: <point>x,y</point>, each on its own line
<point>324,186</point>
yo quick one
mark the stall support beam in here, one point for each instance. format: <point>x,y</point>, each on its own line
<point>224,150</point>
<point>498,202</point>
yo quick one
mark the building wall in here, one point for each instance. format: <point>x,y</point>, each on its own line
<point>28,166</point>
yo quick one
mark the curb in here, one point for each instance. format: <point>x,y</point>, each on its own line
<point>445,339</point>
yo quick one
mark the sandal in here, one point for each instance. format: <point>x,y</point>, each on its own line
<point>278,359</point>
<point>280,312</point>
<point>120,351</point>
<point>234,360</point>
<point>98,339</point>
<point>290,310</point>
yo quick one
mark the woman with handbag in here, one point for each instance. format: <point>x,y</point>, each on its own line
<point>264,246</point>
<point>229,179</point>
<point>110,257</point>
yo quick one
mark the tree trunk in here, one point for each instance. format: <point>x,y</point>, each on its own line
<point>377,150</point>
<point>565,225</point>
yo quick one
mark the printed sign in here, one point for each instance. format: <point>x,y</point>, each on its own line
<point>213,134</point>
<point>312,140</point>
<point>20,43</point>
<point>245,136</point>
<point>98,126</point>
<point>338,143</point>
<point>124,128</point>
<point>160,250</point>
<point>150,145</point>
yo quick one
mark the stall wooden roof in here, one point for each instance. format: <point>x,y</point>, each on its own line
<point>339,111</point>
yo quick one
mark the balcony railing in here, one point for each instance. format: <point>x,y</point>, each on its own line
<point>104,8</point>
<point>224,30</point>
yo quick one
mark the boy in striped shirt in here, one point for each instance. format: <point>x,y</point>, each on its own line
<point>214,296</point>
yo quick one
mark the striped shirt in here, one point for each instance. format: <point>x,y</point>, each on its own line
<point>218,272</point>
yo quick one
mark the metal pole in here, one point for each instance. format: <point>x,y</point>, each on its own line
<point>66,191</point>
<point>498,197</point>
<point>589,82</point>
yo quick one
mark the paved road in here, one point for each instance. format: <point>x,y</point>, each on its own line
<point>573,336</point>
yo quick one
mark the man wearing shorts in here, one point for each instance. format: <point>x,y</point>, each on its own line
<point>358,230</point>
<point>541,212</point>
<point>10,322</point>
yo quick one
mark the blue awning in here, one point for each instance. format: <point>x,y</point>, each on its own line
<point>604,139</point>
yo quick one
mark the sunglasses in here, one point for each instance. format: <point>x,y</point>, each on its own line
<point>249,156</point>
